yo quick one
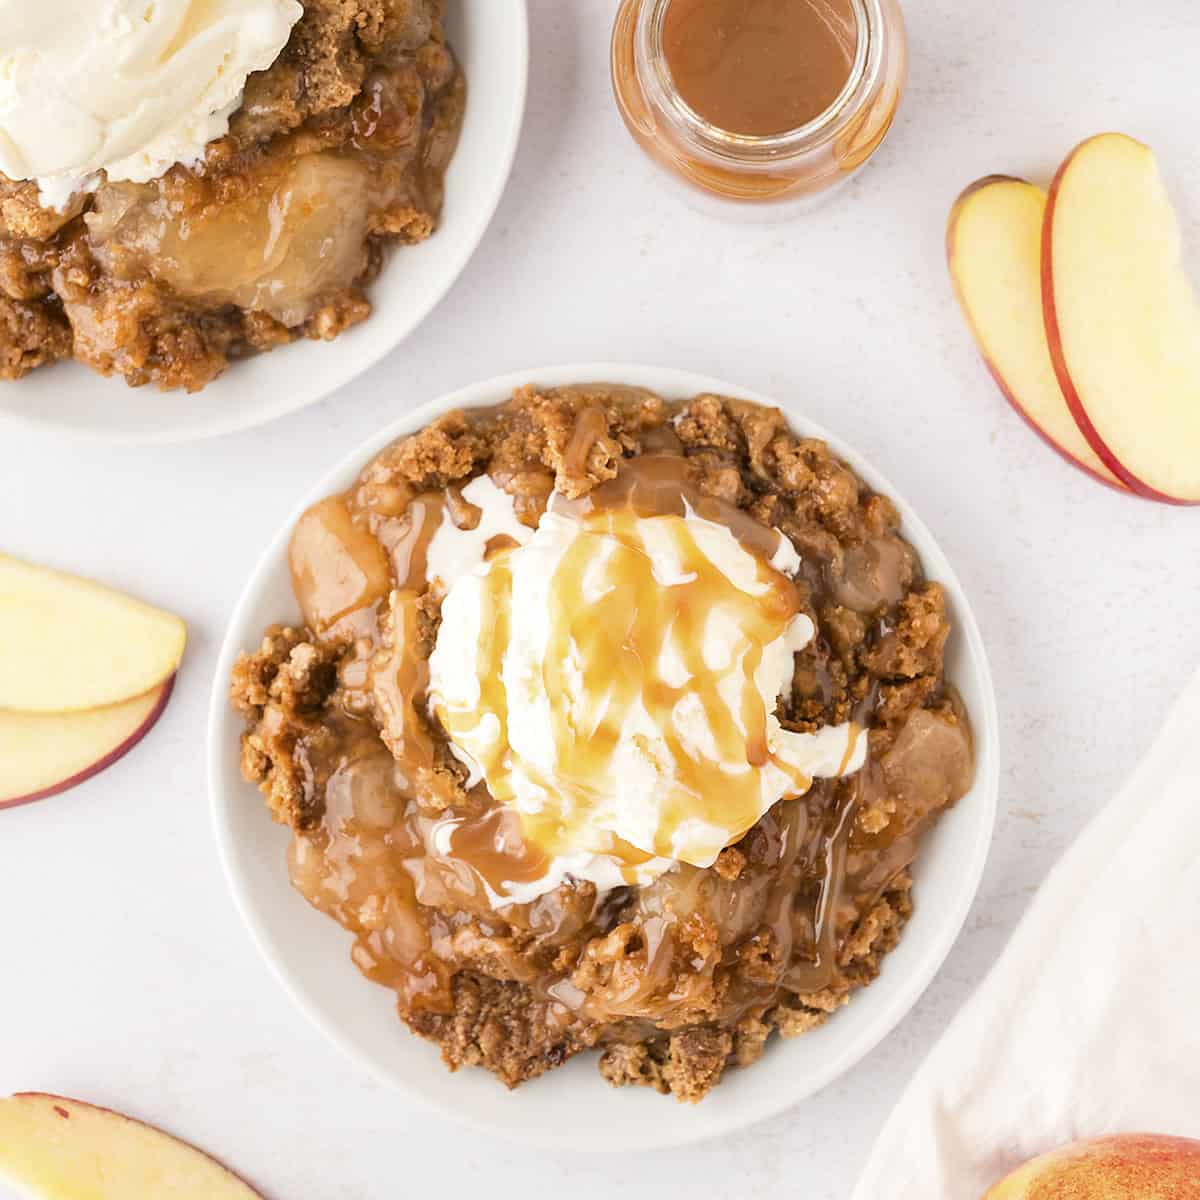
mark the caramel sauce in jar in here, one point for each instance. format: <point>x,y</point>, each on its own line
<point>759,100</point>
<point>760,67</point>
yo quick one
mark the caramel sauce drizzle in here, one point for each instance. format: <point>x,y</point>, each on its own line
<point>661,482</point>
<point>498,851</point>
<point>590,426</point>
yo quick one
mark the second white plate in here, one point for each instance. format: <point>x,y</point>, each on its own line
<point>491,40</point>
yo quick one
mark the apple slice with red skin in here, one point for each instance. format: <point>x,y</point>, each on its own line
<point>53,1148</point>
<point>994,248</point>
<point>43,754</point>
<point>69,644</point>
<point>1122,319</point>
<point>1132,1166</point>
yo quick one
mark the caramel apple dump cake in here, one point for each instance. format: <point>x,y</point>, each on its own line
<point>149,234</point>
<point>611,723</point>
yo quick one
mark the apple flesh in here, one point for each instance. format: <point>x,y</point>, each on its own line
<point>42,754</point>
<point>1124,1167</point>
<point>994,247</point>
<point>59,1149</point>
<point>68,644</point>
<point>1122,319</point>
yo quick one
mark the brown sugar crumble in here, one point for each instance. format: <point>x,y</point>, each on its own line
<point>339,150</point>
<point>675,981</point>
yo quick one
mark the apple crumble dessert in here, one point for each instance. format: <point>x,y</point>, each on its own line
<point>611,723</point>
<point>333,152</point>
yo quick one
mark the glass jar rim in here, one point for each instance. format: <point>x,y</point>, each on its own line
<point>724,145</point>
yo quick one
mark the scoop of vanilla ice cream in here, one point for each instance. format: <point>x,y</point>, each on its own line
<point>541,731</point>
<point>130,87</point>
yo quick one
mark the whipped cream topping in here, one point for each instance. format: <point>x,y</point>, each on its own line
<point>614,678</point>
<point>129,87</point>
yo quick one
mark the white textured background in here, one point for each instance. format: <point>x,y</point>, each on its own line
<point>125,975</point>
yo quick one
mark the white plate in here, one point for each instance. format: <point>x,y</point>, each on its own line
<point>491,39</point>
<point>572,1107</point>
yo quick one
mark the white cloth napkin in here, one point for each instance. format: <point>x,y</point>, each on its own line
<point>1089,1022</point>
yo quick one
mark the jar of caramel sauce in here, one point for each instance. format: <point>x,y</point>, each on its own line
<point>759,100</point>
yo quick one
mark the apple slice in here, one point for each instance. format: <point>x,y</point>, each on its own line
<point>42,754</point>
<point>994,245</point>
<point>68,644</point>
<point>59,1149</point>
<point>1121,317</point>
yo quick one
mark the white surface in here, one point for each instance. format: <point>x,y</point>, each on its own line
<point>1019,1072</point>
<point>490,38</point>
<point>301,945</point>
<point>128,978</point>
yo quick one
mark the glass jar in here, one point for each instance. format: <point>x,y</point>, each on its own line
<point>759,169</point>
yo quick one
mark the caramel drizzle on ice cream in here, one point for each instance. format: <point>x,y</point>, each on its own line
<point>610,618</point>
